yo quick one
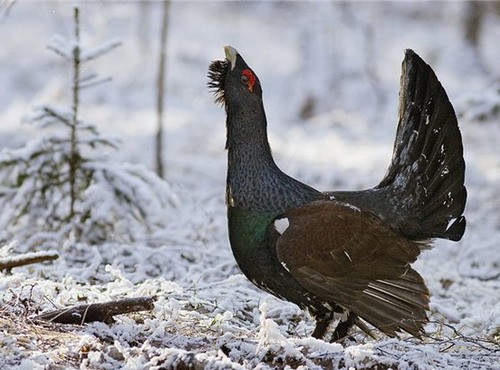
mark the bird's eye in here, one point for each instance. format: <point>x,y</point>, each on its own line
<point>244,79</point>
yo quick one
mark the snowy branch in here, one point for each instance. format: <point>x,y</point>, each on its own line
<point>96,52</point>
<point>95,82</point>
<point>7,263</point>
<point>61,46</point>
<point>60,115</point>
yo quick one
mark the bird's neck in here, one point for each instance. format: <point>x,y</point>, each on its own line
<point>247,132</point>
<point>254,181</point>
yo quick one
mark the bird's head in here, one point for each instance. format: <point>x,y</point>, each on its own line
<point>232,80</point>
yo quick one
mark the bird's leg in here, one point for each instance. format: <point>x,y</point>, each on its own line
<point>343,327</point>
<point>322,323</point>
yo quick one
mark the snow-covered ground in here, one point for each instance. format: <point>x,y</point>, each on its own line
<point>341,59</point>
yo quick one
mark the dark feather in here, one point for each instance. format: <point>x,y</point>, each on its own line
<point>422,194</point>
<point>344,252</point>
<point>217,75</point>
<point>353,259</point>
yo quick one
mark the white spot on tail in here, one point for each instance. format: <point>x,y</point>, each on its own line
<point>450,223</point>
<point>445,171</point>
<point>281,224</point>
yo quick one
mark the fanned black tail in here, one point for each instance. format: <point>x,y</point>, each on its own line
<point>427,167</point>
<point>423,193</point>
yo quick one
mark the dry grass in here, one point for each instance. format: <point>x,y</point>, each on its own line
<point>21,338</point>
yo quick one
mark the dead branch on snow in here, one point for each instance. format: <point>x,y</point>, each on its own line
<point>6,263</point>
<point>98,311</point>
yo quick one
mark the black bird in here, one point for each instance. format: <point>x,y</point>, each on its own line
<point>346,253</point>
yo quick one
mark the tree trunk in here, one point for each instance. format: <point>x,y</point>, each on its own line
<point>74,155</point>
<point>160,93</point>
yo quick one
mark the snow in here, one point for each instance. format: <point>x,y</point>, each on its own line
<point>345,58</point>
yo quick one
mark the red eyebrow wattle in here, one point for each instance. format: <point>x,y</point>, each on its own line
<point>251,78</point>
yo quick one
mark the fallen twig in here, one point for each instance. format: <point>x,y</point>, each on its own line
<point>7,263</point>
<point>98,311</point>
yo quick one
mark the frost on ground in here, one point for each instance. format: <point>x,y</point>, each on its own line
<point>334,65</point>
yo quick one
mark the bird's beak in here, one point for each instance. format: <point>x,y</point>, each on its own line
<point>231,54</point>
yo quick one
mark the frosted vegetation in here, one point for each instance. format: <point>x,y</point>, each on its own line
<point>76,177</point>
<point>62,183</point>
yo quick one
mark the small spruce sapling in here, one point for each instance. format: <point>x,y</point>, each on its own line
<point>60,184</point>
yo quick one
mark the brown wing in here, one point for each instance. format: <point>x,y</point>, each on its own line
<point>351,258</point>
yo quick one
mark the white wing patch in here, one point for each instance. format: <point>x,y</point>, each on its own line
<point>281,224</point>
